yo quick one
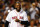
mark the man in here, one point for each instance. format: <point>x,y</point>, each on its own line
<point>8,9</point>
<point>33,12</point>
<point>16,18</point>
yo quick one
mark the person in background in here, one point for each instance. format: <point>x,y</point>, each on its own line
<point>33,12</point>
<point>1,22</point>
<point>23,5</point>
<point>39,8</point>
<point>8,9</point>
<point>39,3</point>
<point>27,8</point>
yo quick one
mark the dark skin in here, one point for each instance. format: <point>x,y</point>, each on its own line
<point>17,20</point>
<point>18,8</point>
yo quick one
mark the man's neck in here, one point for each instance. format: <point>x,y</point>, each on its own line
<point>18,10</point>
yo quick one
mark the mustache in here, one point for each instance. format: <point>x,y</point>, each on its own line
<point>16,8</point>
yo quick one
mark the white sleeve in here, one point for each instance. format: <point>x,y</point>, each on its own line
<point>8,18</point>
<point>37,9</point>
<point>31,10</point>
<point>25,17</point>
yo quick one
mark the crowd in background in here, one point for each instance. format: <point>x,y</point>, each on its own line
<point>8,5</point>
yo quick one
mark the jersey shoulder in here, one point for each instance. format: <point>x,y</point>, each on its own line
<point>24,12</point>
<point>12,11</point>
<point>31,9</point>
<point>37,9</point>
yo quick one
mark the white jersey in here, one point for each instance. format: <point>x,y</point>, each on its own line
<point>33,12</point>
<point>19,15</point>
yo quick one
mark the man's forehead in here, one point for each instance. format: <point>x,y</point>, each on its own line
<point>17,3</point>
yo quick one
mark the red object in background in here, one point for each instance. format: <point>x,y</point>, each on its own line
<point>12,1</point>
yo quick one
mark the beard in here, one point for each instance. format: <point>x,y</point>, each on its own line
<point>18,9</point>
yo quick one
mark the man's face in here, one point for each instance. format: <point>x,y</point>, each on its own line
<point>34,6</point>
<point>18,6</point>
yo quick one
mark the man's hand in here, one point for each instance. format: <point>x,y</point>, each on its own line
<point>17,20</point>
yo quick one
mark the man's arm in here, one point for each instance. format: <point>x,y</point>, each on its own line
<point>25,21</point>
<point>6,24</point>
<point>22,22</point>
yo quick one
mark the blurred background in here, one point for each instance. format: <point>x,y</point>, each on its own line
<point>8,5</point>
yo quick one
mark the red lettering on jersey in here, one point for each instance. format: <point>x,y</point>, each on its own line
<point>21,17</point>
<point>14,17</point>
